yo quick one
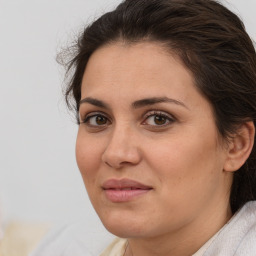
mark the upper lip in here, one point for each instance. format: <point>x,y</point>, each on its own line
<point>124,183</point>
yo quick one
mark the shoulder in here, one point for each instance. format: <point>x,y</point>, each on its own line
<point>59,241</point>
<point>73,239</point>
<point>248,241</point>
<point>238,236</point>
<point>116,248</point>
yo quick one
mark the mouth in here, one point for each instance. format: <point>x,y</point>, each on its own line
<point>124,190</point>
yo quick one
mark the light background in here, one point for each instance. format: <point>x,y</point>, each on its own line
<point>39,179</point>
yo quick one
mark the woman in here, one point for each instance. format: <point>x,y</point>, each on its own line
<point>165,97</point>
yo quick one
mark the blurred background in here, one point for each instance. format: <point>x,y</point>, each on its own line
<point>40,185</point>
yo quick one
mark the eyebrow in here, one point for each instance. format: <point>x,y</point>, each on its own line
<point>136,104</point>
<point>155,100</point>
<point>95,102</point>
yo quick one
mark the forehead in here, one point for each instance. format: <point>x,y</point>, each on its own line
<point>147,55</point>
<point>140,66</point>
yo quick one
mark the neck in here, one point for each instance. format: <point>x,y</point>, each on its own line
<point>185,241</point>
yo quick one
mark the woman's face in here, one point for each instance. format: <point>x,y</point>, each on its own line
<point>147,146</point>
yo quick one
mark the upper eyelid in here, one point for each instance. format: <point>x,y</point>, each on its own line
<point>85,116</point>
<point>158,112</point>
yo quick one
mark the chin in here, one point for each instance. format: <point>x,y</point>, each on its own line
<point>123,225</point>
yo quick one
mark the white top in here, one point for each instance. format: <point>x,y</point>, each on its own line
<point>118,246</point>
<point>236,238</point>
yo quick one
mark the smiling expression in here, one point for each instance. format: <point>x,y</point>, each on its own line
<point>147,146</point>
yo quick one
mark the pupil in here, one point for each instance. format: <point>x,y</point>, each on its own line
<point>160,120</point>
<point>100,120</point>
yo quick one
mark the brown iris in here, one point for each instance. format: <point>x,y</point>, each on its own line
<point>101,120</point>
<point>160,120</point>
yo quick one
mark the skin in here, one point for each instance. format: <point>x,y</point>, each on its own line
<point>173,146</point>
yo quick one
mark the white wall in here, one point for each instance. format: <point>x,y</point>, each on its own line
<point>39,180</point>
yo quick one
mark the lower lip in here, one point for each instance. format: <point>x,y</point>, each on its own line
<point>117,196</point>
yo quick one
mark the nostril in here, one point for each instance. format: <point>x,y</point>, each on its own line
<point>107,164</point>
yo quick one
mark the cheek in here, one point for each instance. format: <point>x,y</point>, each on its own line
<point>183,163</point>
<point>88,157</point>
<point>189,175</point>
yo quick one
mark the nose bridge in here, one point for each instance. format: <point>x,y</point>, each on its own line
<point>122,147</point>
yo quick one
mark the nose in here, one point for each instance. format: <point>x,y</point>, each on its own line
<point>122,149</point>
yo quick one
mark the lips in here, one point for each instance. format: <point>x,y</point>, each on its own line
<point>124,184</point>
<point>124,190</point>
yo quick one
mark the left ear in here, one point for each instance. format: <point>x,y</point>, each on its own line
<point>240,147</point>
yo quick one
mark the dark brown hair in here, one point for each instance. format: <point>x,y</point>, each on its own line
<point>212,43</point>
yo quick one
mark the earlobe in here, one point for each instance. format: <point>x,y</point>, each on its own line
<point>240,147</point>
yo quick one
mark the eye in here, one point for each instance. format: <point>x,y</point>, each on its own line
<point>157,118</point>
<point>96,120</point>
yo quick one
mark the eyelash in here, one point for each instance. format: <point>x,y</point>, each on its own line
<point>155,113</point>
<point>88,117</point>
<point>169,119</point>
